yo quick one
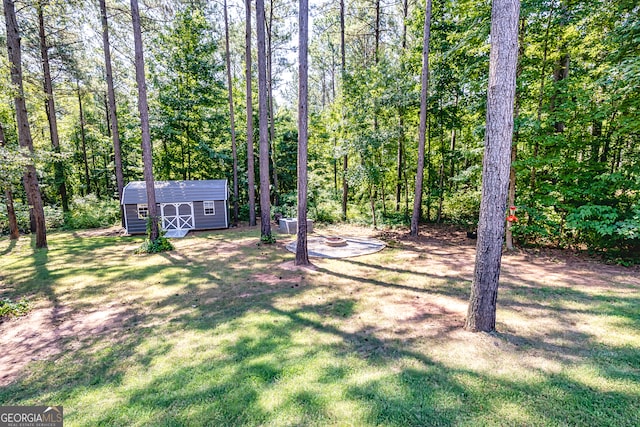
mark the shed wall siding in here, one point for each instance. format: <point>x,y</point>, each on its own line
<point>202,221</point>
<point>134,224</point>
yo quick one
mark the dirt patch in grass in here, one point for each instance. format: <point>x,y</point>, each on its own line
<point>114,231</point>
<point>49,330</point>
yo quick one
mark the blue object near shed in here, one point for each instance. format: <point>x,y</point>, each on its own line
<point>182,205</point>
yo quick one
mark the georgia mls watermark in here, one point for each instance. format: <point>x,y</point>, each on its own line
<point>31,416</point>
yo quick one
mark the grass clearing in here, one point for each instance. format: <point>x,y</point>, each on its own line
<point>224,331</point>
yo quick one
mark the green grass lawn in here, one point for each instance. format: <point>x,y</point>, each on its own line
<point>224,331</point>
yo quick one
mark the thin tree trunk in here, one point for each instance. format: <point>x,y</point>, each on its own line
<point>265,203</point>
<point>372,203</point>
<point>373,191</point>
<point>345,186</point>
<point>377,32</point>
<point>83,141</point>
<point>514,147</point>
<point>249,96</point>
<point>481,315</point>
<point>50,108</point>
<point>401,136</point>
<point>417,200</point>
<point>302,256</point>
<point>400,163</point>
<point>272,119</point>
<point>14,232</point>
<point>560,73</point>
<point>428,217</point>
<point>147,158</point>
<point>115,133</point>
<point>452,149</point>
<point>30,178</point>
<point>335,168</point>
<point>234,152</point>
<point>441,169</point>
<point>345,160</point>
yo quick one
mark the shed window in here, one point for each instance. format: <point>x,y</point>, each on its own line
<point>209,208</point>
<point>143,211</point>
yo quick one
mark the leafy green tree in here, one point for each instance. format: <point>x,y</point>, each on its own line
<point>190,121</point>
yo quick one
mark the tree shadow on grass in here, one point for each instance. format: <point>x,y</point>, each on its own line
<point>256,358</point>
<point>10,247</point>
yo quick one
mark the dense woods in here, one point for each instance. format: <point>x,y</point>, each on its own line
<point>575,178</point>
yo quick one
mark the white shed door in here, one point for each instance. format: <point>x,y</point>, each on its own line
<point>177,216</point>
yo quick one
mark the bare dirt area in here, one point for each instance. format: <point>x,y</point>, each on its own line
<point>49,330</point>
<point>114,231</point>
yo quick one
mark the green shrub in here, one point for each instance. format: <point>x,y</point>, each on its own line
<point>462,208</point>
<point>53,216</point>
<point>89,212</point>
<point>161,244</point>
<point>606,227</point>
<point>324,214</point>
<point>393,218</point>
<point>9,308</point>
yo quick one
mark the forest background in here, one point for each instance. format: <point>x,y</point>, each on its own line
<point>575,156</point>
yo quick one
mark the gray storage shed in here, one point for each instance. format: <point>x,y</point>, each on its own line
<point>182,205</point>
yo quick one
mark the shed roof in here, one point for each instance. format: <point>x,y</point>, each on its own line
<point>176,191</point>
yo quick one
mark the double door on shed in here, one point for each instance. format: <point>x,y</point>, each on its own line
<point>177,216</point>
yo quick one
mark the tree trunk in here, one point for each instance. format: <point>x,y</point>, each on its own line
<point>481,315</point>
<point>345,159</point>
<point>377,32</point>
<point>115,133</point>
<point>83,141</point>
<point>30,178</point>
<point>514,147</point>
<point>265,203</point>
<point>400,162</point>
<point>272,119</point>
<point>14,232</point>
<point>401,136</point>
<point>147,158</point>
<point>560,73</point>
<point>50,108</point>
<point>345,186</point>
<point>234,151</point>
<point>424,93</point>
<point>249,96</point>
<point>302,256</point>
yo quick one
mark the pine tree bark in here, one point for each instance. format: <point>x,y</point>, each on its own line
<point>345,159</point>
<point>234,150</point>
<point>50,108</point>
<point>424,95</point>
<point>511,198</point>
<point>30,177</point>
<point>272,119</point>
<point>14,232</point>
<point>481,315</point>
<point>143,108</point>
<point>302,256</point>
<point>83,141</point>
<point>263,126</point>
<point>111,96</point>
<point>401,136</point>
<point>251,179</point>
